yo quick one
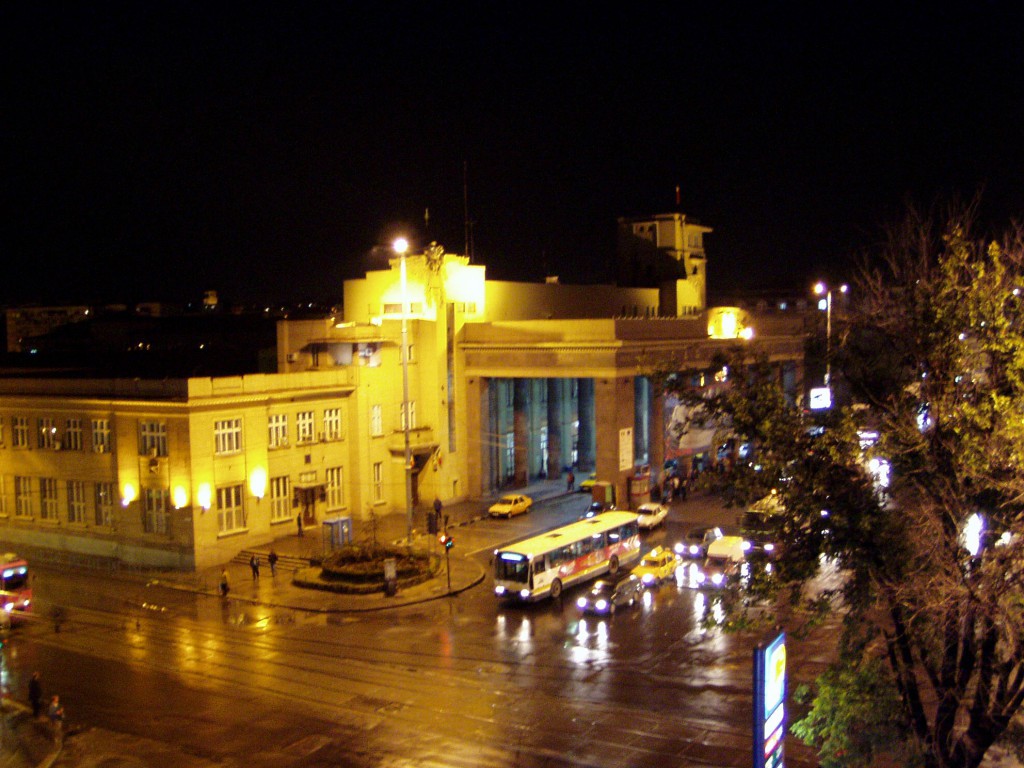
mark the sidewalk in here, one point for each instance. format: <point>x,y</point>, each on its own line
<point>296,551</point>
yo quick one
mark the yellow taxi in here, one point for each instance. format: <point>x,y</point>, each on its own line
<point>658,564</point>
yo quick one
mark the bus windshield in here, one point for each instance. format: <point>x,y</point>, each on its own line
<point>510,566</point>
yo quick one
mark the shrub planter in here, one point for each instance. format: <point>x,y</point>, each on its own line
<point>359,569</point>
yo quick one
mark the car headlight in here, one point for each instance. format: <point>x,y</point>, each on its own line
<point>8,607</point>
<point>499,590</point>
<point>694,549</point>
<point>648,578</point>
<point>679,548</point>
<point>581,603</point>
<point>700,577</point>
<point>769,547</point>
<point>717,579</point>
<point>601,605</point>
<point>524,593</point>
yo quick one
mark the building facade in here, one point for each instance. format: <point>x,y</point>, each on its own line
<point>433,376</point>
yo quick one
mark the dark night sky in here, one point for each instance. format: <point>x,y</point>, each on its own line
<point>154,150</point>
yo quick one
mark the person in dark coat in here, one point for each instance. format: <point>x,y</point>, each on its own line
<point>272,559</point>
<point>35,694</point>
<point>254,563</point>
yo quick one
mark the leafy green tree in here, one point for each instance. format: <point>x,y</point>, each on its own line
<point>932,355</point>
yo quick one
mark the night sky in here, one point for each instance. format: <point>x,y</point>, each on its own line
<point>155,150</point>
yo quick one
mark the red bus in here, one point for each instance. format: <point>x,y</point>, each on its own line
<point>542,565</point>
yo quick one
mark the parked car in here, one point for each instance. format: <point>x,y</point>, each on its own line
<point>657,565</point>
<point>725,562</point>
<point>695,545</point>
<point>608,594</point>
<point>588,482</point>
<point>651,514</point>
<point>507,506</point>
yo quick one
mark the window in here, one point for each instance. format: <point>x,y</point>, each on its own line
<point>412,415</point>
<point>23,496</point>
<point>510,454</point>
<point>155,517</point>
<point>3,498</point>
<point>227,436</point>
<point>106,498</point>
<point>2,435</point>
<point>411,352</point>
<point>332,423</point>
<point>304,427</point>
<point>47,433</point>
<point>19,431</point>
<point>335,479</point>
<point>72,435</point>
<point>378,482</point>
<point>280,499</point>
<point>152,438</point>
<point>101,435</point>
<point>48,499</point>
<point>76,502</point>
<point>376,420</point>
<point>230,515</point>
<point>277,424</point>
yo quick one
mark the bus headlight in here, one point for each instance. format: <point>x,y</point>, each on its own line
<point>499,590</point>
<point>524,593</point>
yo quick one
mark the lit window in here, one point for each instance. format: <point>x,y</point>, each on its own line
<point>227,436</point>
<point>48,499</point>
<point>230,513</point>
<point>412,415</point>
<point>378,482</point>
<point>76,502</point>
<point>332,424</point>
<point>106,498</point>
<point>101,435</point>
<point>304,427</point>
<point>47,433</point>
<point>72,435</point>
<point>278,430</point>
<point>152,438</point>
<point>335,479</point>
<point>280,500</point>
<point>156,516</point>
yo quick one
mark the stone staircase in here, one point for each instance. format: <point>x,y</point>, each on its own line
<point>284,562</point>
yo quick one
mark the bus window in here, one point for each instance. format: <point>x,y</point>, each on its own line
<point>538,564</point>
<point>511,567</point>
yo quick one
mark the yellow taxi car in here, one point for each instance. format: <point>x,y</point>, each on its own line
<point>658,564</point>
<point>588,483</point>
<point>508,506</point>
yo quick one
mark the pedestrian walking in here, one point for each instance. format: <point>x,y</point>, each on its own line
<point>298,520</point>
<point>56,715</point>
<point>35,694</point>
<point>254,563</point>
<point>223,582</point>
<point>272,559</point>
<point>570,482</point>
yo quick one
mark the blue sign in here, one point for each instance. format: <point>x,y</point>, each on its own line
<point>769,724</point>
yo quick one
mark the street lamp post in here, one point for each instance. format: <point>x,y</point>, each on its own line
<point>401,246</point>
<point>819,289</point>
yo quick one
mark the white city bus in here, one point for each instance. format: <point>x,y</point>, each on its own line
<point>543,565</point>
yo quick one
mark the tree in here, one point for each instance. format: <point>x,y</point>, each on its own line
<point>932,353</point>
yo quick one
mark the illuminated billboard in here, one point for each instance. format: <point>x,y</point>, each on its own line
<point>770,703</point>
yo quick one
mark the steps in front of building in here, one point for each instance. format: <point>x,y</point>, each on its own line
<point>284,562</point>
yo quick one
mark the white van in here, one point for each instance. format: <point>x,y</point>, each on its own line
<point>724,562</point>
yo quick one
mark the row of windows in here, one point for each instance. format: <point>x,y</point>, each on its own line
<point>50,433</point>
<point>69,434</point>
<point>95,503</point>
<point>377,418</point>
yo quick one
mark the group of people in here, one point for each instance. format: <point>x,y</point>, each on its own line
<point>55,711</point>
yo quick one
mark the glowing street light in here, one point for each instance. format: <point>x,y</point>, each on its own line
<point>819,290</point>
<point>401,246</point>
